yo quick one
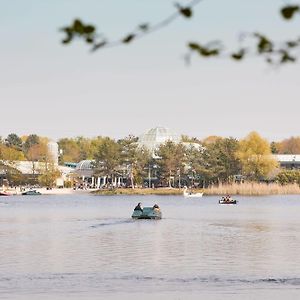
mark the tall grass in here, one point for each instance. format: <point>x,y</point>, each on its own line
<point>253,188</point>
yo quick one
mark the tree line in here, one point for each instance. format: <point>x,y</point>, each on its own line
<point>192,162</point>
<point>33,148</point>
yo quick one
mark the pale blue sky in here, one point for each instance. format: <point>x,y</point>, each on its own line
<point>57,91</point>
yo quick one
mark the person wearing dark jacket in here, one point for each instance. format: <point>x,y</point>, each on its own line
<point>139,207</point>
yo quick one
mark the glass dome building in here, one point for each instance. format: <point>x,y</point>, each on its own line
<point>152,139</point>
<point>85,168</point>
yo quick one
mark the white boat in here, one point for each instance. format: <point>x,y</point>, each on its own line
<point>190,194</point>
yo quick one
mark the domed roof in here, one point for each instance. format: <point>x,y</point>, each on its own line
<point>157,136</point>
<point>85,165</point>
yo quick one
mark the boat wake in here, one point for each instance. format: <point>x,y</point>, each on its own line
<point>112,222</point>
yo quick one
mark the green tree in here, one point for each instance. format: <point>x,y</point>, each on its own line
<point>288,177</point>
<point>171,160</point>
<point>107,158</point>
<point>274,147</point>
<point>216,162</point>
<point>255,155</point>
<point>14,141</point>
<point>134,159</point>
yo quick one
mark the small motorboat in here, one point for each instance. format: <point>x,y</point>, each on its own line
<point>31,193</point>
<point>147,213</point>
<point>190,194</point>
<point>3,193</point>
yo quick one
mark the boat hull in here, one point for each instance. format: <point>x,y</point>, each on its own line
<point>148,213</point>
<point>227,202</point>
<point>31,193</point>
<point>4,194</point>
<point>197,195</point>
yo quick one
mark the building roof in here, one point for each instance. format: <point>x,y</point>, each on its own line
<point>85,165</point>
<point>157,136</point>
<point>287,158</point>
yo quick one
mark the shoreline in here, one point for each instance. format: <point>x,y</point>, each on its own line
<point>252,189</point>
<point>245,189</point>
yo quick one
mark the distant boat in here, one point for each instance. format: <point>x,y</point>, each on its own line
<point>147,213</point>
<point>227,201</point>
<point>191,194</point>
<point>2,193</point>
<point>31,193</point>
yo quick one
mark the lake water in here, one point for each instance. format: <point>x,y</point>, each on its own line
<point>88,247</point>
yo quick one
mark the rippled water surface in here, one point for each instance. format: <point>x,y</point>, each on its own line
<point>87,247</point>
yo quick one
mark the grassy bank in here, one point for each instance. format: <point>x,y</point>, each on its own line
<point>253,189</point>
<point>140,191</point>
<point>247,189</point>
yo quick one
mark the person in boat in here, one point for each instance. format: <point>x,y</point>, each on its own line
<point>229,199</point>
<point>156,207</point>
<point>139,207</point>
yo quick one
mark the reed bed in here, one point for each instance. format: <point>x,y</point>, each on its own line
<point>253,189</point>
<point>250,189</point>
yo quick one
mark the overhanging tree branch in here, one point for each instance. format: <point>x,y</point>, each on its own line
<point>273,52</point>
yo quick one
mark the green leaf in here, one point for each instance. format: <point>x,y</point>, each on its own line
<point>288,11</point>
<point>128,38</point>
<point>184,11</point>
<point>89,39</point>
<point>264,45</point>
<point>99,45</point>
<point>204,51</point>
<point>89,29</point>
<point>69,35</point>
<point>78,27</point>
<point>292,44</point>
<point>238,55</point>
<point>286,57</point>
<point>194,46</point>
<point>144,27</point>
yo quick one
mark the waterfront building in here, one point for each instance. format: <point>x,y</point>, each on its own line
<point>288,161</point>
<point>152,139</point>
<point>85,172</point>
<point>155,137</point>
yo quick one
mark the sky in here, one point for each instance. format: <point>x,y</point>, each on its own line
<point>65,91</point>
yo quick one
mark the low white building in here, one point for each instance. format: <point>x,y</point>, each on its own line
<point>288,161</point>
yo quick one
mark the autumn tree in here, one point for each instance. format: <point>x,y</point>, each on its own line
<point>9,156</point>
<point>289,146</point>
<point>48,174</point>
<point>37,152</point>
<point>30,141</point>
<point>70,150</point>
<point>255,155</point>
